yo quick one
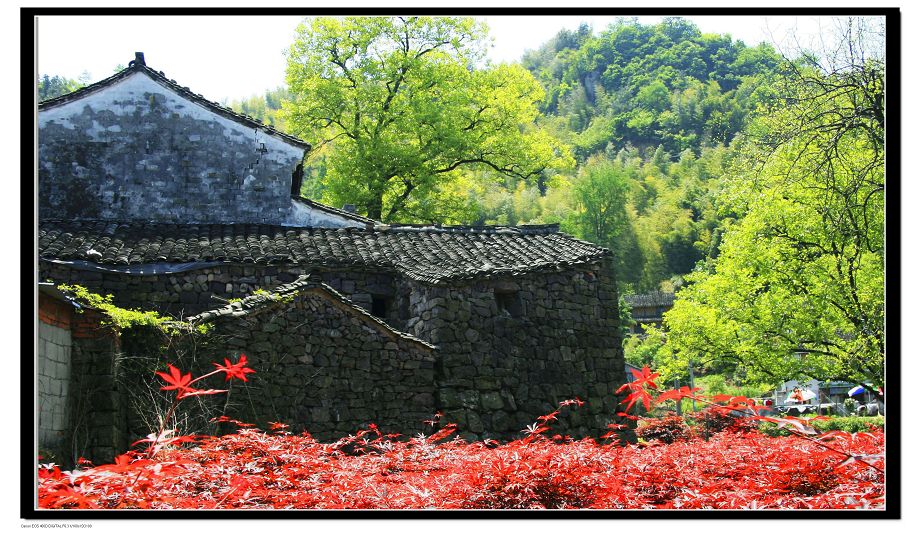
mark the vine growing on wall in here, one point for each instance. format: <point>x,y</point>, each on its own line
<point>123,318</point>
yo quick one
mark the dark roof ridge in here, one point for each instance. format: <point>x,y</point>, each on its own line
<point>303,283</point>
<point>160,77</point>
<point>534,229</point>
<point>335,211</point>
<point>552,228</point>
<point>651,298</point>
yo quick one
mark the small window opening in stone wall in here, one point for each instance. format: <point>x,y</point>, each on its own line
<point>509,303</point>
<point>380,305</point>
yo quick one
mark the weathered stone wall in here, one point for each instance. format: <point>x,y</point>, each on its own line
<point>98,408</point>
<point>508,349</point>
<point>321,366</point>
<point>80,408</point>
<point>138,151</point>
<point>511,350</point>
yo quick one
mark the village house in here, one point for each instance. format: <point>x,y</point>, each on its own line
<point>648,309</point>
<point>170,202</point>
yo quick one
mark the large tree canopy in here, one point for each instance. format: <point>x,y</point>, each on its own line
<point>402,105</point>
<point>798,289</point>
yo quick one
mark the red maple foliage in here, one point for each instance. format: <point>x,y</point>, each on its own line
<point>258,470</point>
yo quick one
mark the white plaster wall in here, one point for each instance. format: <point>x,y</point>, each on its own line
<point>304,215</point>
<point>158,185</point>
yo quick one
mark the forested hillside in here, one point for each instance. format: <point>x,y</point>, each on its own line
<point>666,85</point>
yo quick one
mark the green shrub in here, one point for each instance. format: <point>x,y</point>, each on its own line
<point>118,317</point>
<point>850,406</point>
<point>846,424</point>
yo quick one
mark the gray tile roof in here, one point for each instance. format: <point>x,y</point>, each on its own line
<point>427,254</point>
<point>655,298</point>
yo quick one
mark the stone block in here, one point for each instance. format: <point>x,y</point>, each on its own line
<point>320,415</point>
<point>423,400</point>
<point>271,327</point>
<point>501,422</point>
<point>486,383</point>
<point>491,401</point>
<point>469,399</point>
<point>474,423</point>
<point>449,398</point>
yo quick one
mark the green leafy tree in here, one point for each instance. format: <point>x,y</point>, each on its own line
<point>405,105</point>
<point>265,108</point>
<point>54,86</point>
<point>599,194</point>
<point>798,287</point>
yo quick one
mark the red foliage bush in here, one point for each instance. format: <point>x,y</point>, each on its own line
<point>665,429</point>
<point>712,421</point>
<point>256,470</point>
<point>253,469</point>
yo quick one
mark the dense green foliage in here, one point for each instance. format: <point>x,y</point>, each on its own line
<point>591,87</point>
<point>844,424</point>
<point>658,217</point>
<point>265,108</point>
<point>649,111</point>
<point>54,86</point>
<point>798,289</point>
<point>405,107</point>
<point>663,85</point>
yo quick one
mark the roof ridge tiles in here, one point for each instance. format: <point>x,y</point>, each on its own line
<point>524,229</point>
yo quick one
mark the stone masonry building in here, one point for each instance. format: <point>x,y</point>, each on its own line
<point>171,202</point>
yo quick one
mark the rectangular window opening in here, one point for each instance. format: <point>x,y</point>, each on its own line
<point>380,305</point>
<point>509,303</point>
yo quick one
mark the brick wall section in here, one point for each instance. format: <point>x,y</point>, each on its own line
<point>80,410</point>
<point>54,312</point>
<point>54,357</point>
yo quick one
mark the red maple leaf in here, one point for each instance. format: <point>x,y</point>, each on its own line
<point>638,394</point>
<point>175,379</point>
<point>645,377</point>
<point>676,394</point>
<point>235,370</point>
